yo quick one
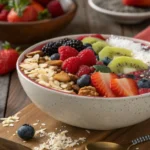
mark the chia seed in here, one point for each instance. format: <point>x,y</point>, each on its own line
<point>117,6</point>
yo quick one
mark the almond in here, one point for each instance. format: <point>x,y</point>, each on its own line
<point>31,54</point>
<point>55,62</point>
<point>62,77</point>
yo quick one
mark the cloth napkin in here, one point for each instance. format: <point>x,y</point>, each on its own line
<point>144,35</point>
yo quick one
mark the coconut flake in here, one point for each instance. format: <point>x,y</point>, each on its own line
<point>138,49</point>
<point>59,141</point>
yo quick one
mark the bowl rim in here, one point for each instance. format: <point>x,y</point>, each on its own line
<point>21,57</point>
<point>118,14</point>
<point>72,9</point>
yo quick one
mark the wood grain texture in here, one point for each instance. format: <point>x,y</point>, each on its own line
<point>8,145</point>
<point>17,98</point>
<point>31,114</point>
<point>4,87</point>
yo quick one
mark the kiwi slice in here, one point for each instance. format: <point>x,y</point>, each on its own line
<point>125,65</point>
<point>90,40</point>
<point>112,52</point>
<point>98,46</point>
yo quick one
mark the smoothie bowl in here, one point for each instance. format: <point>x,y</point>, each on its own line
<point>91,81</point>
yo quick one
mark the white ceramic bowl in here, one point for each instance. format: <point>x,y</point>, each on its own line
<point>126,18</point>
<point>82,111</point>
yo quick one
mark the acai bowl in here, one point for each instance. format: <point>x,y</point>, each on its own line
<point>102,97</point>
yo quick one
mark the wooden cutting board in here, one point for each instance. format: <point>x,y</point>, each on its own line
<point>31,114</point>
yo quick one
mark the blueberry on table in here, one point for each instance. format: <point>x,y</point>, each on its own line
<point>106,61</point>
<point>55,56</point>
<point>144,83</point>
<point>26,132</point>
<point>84,80</point>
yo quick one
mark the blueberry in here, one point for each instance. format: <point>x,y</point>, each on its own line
<point>55,56</point>
<point>106,61</point>
<point>87,45</point>
<point>84,80</point>
<point>144,83</point>
<point>26,132</point>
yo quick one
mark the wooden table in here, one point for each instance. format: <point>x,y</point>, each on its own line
<point>13,97</point>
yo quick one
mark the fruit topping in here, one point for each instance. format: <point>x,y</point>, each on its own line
<point>98,46</point>
<point>71,65</point>
<point>87,57</point>
<point>112,52</point>
<point>144,83</point>
<point>124,87</point>
<point>84,80</point>
<point>55,56</point>
<point>77,44</point>
<point>87,45</point>
<point>101,81</point>
<point>90,40</point>
<point>83,70</point>
<point>106,61</point>
<point>66,52</point>
<point>144,90</point>
<point>51,48</point>
<point>126,65</point>
<point>26,132</point>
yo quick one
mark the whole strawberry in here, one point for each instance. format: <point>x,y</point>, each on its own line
<point>8,59</point>
<point>87,57</point>
<point>22,11</point>
<point>66,52</point>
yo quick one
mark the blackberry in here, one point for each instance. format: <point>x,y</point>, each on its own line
<point>78,45</point>
<point>63,41</point>
<point>51,48</point>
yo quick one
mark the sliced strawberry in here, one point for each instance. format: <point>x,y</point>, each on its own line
<point>124,87</point>
<point>99,36</point>
<point>101,81</point>
<point>144,90</point>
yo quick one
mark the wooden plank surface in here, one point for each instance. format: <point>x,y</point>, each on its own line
<point>4,86</point>
<point>31,114</point>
